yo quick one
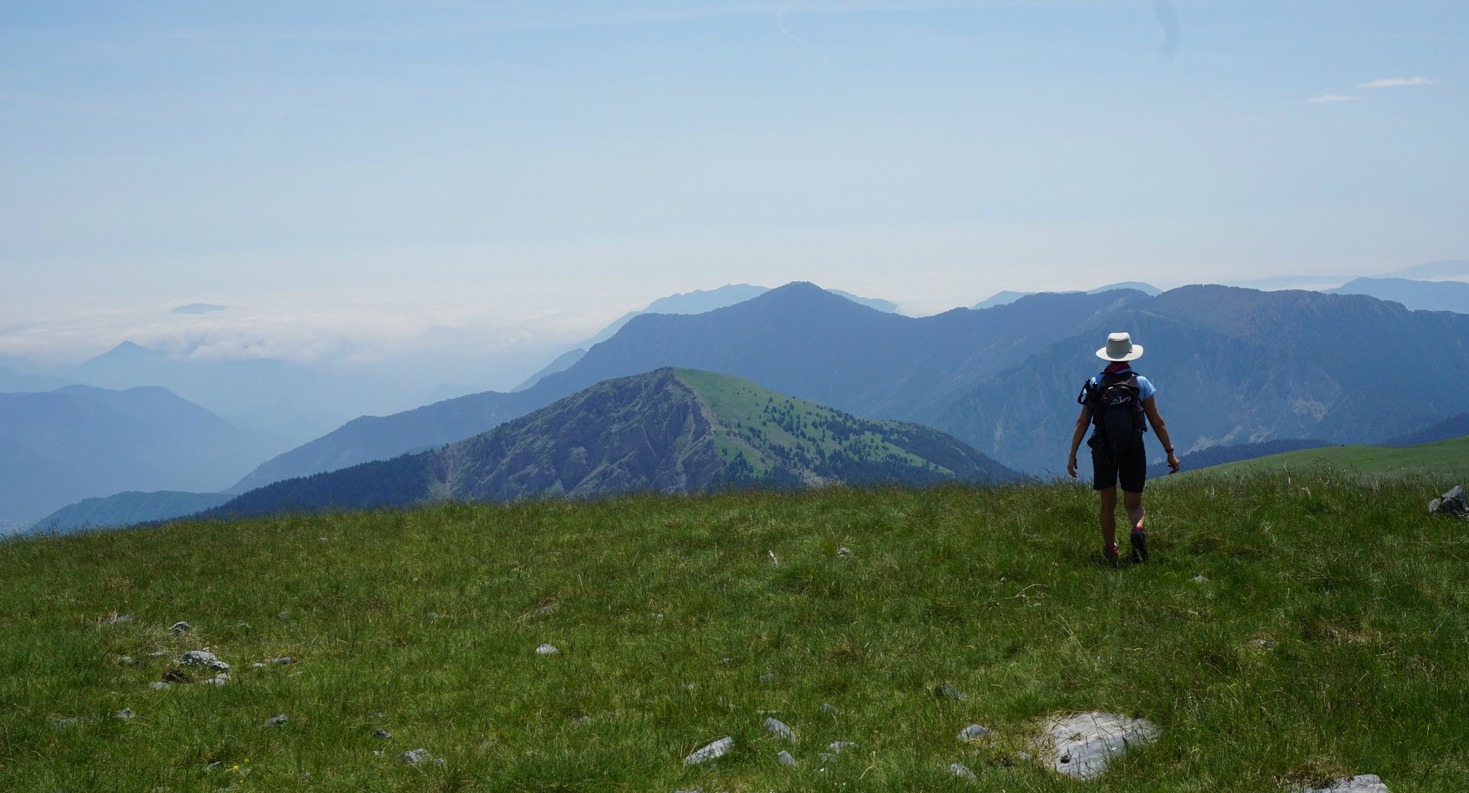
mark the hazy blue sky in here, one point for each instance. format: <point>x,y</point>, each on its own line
<point>386,178</point>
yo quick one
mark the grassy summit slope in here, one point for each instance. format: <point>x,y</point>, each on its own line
<point>1287,629</point>
<point>773,432</point>
<point>1448,459</point>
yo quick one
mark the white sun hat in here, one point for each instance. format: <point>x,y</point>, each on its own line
<point>1120,348</point>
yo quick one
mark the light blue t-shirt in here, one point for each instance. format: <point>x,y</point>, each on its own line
<point>1144,388</point>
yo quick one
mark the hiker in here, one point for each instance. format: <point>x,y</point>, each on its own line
<point>1115,402</point>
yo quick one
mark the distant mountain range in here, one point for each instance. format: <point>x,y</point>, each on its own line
<point>1007,297</point>
<point>14,381</point>
<point>1451,268</point>
<point>1238,366</point>
<point>797,339</point>
<point>698,301</point>
<point>1455,268</point>
<point>668,431</point>
<point>281,399</point>
<point>60,446</point>
<point>1416,295</point>
<point>1234,365</point>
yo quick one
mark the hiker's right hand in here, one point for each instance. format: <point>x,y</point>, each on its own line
<point>1071,466</point>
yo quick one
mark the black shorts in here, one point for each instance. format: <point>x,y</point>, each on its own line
<point>1129,466</point>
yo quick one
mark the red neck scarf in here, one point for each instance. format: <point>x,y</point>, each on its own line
<point>1117,366</point>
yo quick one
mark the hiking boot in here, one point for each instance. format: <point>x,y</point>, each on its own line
<point>1139,545</point>
<point>1109,553</point>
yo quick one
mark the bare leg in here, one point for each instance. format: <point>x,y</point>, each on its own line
<point>1108,516</point>
<point>1133,503</point>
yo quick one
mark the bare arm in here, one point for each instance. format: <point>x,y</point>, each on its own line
<point>1076,435</point>
<point>1150,408</point>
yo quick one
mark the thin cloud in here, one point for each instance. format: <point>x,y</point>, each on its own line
<point>780,22</point>
<point>1328,98</point>
<point>1397,82</point>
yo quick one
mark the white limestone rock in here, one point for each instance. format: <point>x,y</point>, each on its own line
<point>780,729</point>
<point>1361,783</point>
<point>1082,744</point>
<point>204,658</point>
<point>710,751</point>
<point>973,732</point>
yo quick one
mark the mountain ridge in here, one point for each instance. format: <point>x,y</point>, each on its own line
<point>1236,366</point>
<point>869,360</point>
<point>670,430</point>
<point>1414,295</point>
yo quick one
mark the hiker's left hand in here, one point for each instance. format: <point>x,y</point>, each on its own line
<point>1173,463</point>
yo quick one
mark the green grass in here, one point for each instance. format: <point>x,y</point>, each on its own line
<point>1448,459</point>
<point>1327,635</point>
<point>787,422</point>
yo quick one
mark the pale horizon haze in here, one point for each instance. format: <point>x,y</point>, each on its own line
<point>354,183</point>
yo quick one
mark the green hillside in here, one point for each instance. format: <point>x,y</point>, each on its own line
<point>771,432</point>
<point>1442,459</point>
<point>665,431</point>
<point>1287,629</point>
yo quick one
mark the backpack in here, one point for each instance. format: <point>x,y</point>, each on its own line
<point>1117,410</point>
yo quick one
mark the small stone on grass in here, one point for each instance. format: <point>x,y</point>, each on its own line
<point>204,658</point>
<point>710,751</point>
<point>948,692</point>
<point>780,729</point>
<point>973,732</point>
<point>1361,783</point>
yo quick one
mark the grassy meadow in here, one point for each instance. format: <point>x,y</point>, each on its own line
<point>1448,459</point>
<point>1290,628</point>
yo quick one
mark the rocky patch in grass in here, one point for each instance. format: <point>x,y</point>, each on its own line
<point>780,729</point>
<point>1361,783</point>
<point>1452,504</point>
<point>1080,745</point>
<point>204,658</point>
<point>710,751</point>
